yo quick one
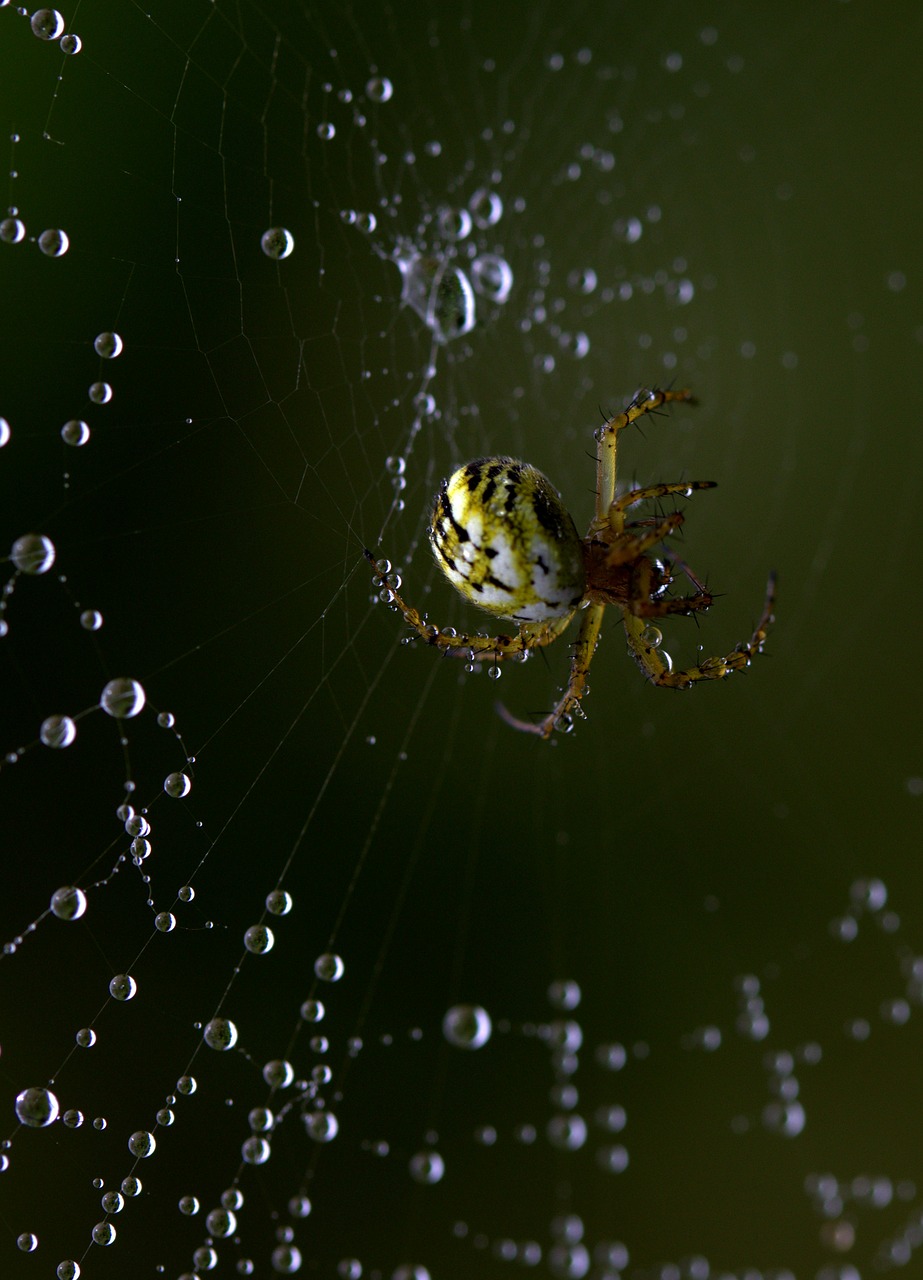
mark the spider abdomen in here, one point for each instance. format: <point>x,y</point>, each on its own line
<point>504,539</point>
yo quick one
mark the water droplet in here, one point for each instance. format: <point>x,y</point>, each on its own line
<point>259,939</point>
<point>220,1033</point>
<point>322,1126</point>
<point>68,903</point>
<point>486,208</point>
<point>255,1150</point>
<point>165,921</point>
<point>108,345</point>
<point>37,1108</point>
<point>72,1118</point>
<point>123,987</point>
<point>177,785</point>
<point>104,1233</point>
<point>453,224</point>
<point>54,242</point>
<point>122,699</point>
<point>86,1037</point>
<point>68,1270</point>
<point>47,24</point>
<point>629,230</point>
<point>27,1242</point>
<point>440,294</point>
<point>91,620</point>
<point>329,967</point>
<point>188,1205</point>
<point>75,433</point>
<point>33,553</point>
<point>100,392</point>
<point>567,1132</point>
<point>467,1026</point>
<point>12,230</point>
<point>277,242</point>
<point>278,1073</point>
<point>286,1259</point>
<point>313,1011</point>
<point>564,995</point>
<point>221,1223</point>
<point>326,131</point>
<point>58,731</point>
<point>142,1144</point>
<point>5,432</point>
<point>186,1085</point>
<point>279,903</point>
<point>427,1167</point>
<point>71,43</point>
<point>492,277</point>
<point>379,89</point>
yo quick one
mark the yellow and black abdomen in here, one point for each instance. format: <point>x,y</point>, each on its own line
<point>503,537</point>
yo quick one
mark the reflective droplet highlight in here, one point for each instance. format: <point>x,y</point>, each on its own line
<point>277,242</point>
<point>68,903</point>
<point>58,731</point>
<point>329,967</point>
<point>47,24</point>
<point>37,1108</point>
<point>54,242</point>
<point>122,698</point>
<point>220,1034</point>
<point>33,553</point>
<point>467,1026</point>
<point>75,433</point>
<point>379,89</point>
<point>108,345</point>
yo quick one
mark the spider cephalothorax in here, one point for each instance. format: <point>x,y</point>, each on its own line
<point>503,537</point>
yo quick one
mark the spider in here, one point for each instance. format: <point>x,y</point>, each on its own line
<point>503,537</point>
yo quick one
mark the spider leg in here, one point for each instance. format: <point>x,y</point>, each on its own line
<point>684,489</point>
<point>606,441</point>
<point>531,635</point>
<point>657,667</point>
<point>568,705</point>
<point>627,547</point>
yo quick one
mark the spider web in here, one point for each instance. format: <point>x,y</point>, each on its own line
<point>644,1001</point>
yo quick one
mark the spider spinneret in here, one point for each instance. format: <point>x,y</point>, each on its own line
<point>503,537</point>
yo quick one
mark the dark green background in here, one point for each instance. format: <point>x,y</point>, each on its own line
<point>672,843</point>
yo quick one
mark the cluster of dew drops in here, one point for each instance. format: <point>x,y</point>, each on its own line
<point>48,25</point>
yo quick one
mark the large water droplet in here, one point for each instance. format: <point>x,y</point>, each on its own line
<point>259,939</point>
<point>142,1144</point>
<point>33,553</point>
<point>57,731</point>
<point>277,242</point>
<point>68,903</point>
<point>329,967</point>
<point>122,698</point>
<point>75,433</point>
<point>379,89</point>
<point>47,24</point>
<point>123,987</point>
<point>37,1108</point>
<point>108,345</point>
<point>467,1026</point>
<point>220,1033</point>
<point>492,277</point>
<point>322,1126</point>
<point>12,230</point>
<point>54,242</point>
